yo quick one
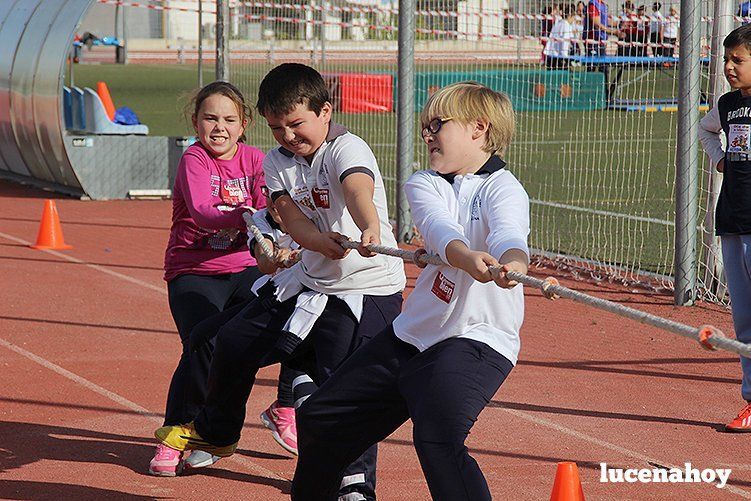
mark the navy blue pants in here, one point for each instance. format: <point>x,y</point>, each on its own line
<point>378,388</point>
<point>205,331</point>
<point>193,298</point>
<point>247,342</point>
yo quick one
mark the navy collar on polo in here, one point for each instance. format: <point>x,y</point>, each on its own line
<point>335,130</point>
<point>494,164</point>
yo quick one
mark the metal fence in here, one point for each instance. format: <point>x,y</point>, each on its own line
<point>596,147</point>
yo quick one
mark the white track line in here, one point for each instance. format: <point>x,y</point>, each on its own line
<point>72,259</point>
<point>254,468</point>
<point>80,380</point>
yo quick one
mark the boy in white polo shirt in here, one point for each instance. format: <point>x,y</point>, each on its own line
<point>325,183</point>
<point>447,353</point>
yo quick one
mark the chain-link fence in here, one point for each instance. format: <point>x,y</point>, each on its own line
<point>596,140</point>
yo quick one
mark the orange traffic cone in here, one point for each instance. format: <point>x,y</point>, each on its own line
<point>567,486</point>
<point>50,233</point>
<point>104,95</point>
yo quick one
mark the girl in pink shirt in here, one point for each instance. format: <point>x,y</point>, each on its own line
<point>207,265</point>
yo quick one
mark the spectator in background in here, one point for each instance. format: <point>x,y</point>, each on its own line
<point>744,10</point>
<point>597,27</point>
<point>87,39</point>
<point>558,46</point>
<point>656,28</point>
<point>552,14</point>
<point>642,33</point>
<point>670,32</point>
<point>628,30</point>
<point>578,27</point>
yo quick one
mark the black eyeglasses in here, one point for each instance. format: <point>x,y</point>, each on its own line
<point>265,191</point>
<point>434,126</point>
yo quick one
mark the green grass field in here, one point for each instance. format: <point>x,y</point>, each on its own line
<point>572,163</point>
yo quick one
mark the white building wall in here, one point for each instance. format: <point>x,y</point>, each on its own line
<point>480,17</point>
<point>141,23</point>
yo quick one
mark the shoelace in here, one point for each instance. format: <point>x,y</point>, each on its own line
<point>164,452</point>
<point>745,411</point>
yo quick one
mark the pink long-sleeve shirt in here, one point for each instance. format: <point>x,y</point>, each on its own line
<point>208,234</point>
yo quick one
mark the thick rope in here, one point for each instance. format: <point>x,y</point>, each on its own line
<point>708,336</point>
<point>258,236</point>
<point>267,250</point>
<point>419,257</point>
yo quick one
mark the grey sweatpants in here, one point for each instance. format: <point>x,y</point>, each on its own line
<point>736,256</point>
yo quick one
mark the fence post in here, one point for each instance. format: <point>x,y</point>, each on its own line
<point>713,267</point>
<point>222,40</point>
<point>200,44</point>
<point>405,141</point>
<point>687,155</point>
<point>324,15</point>
<point>519,30</point>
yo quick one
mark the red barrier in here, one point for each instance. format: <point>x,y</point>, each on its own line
<point>361,92</point>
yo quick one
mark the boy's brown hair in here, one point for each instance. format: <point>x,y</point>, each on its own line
<point>739,36</point>
<point>288,85</point>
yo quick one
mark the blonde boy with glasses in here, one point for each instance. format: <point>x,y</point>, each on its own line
<point>444,357</point>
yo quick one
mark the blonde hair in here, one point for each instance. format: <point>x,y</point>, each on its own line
<point>466,102</point>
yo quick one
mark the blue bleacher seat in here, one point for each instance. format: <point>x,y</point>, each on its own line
<point>67,108</point>
<point>78,110</point>
<point>98,122</point>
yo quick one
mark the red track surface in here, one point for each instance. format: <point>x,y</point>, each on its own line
<point>87,347</point>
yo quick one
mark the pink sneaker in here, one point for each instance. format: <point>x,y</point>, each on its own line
<point>281,422</point>
<point>166,462</point>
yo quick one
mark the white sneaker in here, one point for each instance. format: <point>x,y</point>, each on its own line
<point>200,459</point>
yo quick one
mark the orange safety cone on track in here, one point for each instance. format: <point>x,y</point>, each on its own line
<point>567,486</point>
<point>50,235</point>
<point>104,95</point>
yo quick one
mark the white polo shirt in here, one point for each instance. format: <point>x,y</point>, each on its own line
<point>559,42</point>
<point>316,188</point>
<point>488,211</point>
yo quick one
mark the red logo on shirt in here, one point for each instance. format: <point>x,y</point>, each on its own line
<point>232,194</point>
<point>321,198</point>
<point>443,288</point>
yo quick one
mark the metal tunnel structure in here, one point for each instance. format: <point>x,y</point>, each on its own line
<point>35,148</point>
<point>35,39</point>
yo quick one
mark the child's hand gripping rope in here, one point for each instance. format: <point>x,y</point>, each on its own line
<point>708,336</point>
<point>285,258</point>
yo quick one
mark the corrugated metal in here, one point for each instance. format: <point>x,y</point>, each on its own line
<point>15,15</point>
<point>35,39</point>
<point>47,92</point>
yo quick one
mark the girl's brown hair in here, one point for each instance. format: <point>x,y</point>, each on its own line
<point>225,89</point>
